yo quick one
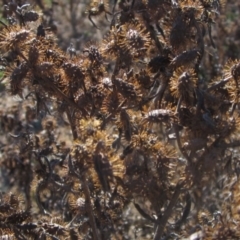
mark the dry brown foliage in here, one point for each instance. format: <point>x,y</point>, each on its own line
<point>130,135</point>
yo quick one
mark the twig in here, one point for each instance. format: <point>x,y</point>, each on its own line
<point>144,214</point>
<point>176,130</point>
<point>86,191</point>
<point>168,211</point>
<point>185,214</point>
<point>219,84</point>
<point>72,124</point>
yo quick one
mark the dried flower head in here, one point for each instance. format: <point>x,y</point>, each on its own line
<point>235,71</point>
<point>135,38</point>
<point>232,73</point>
<point>94,55</point>
<point>17,77</point>
<point>183,84</point>
<point>13,37</point>
<point>110,46</point>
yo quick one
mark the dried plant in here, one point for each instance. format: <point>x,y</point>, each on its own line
<point>133,136</point>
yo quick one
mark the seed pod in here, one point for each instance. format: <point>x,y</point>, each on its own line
<point>72,70</point>
<point>55,55</point>
<point>104,170</point>
<point>75,76</point>
<point>18,74</point>
<point>30,16</point>
<point>158,116</point>
<point>17,217</point>
<point>179,31</point>
<point>144,80</point>
<point>111,103</point>
<point>13,37</point>
<point>158,63</point>
<point>20,36</point>
<point>33,54</point>
<point>11,7</point>
<point>183,84</point>
<point>126,124</point>
<point>94,55</point>
<point>45,69</point>
<point>134,38</point>
<point>110,46</point>
<point>185,59</point>
<point>126,89</point>
<point>27,226</point>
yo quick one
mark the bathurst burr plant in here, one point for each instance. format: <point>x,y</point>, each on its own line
<point>132,136</point>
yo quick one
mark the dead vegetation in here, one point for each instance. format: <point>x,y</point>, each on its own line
<point>132,136</point>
